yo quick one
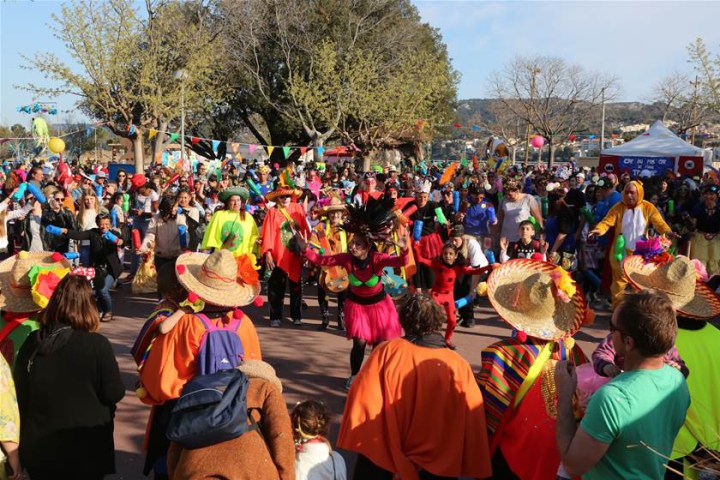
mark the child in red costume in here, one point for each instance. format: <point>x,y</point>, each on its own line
<point>446,270</point>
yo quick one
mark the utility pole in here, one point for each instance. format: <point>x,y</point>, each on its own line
<point>694,109</point>
<point>602,122</point>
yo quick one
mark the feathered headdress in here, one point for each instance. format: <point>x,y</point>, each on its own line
<point>374,220</point>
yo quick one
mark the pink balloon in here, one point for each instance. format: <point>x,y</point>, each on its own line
<point>538,141</point>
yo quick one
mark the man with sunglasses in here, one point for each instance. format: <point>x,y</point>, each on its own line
<point>54,213</point>
<point>630,424</point>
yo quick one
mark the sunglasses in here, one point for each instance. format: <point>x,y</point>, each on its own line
<point>122,176</point>
<point>59,199</point>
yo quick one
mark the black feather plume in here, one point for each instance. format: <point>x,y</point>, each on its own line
<point>374,220</point>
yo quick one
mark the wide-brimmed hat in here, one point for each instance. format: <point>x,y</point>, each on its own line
<point>241,192</point>
<point>16,291</point>
<point>679,280</point>
<point>281,191</point>
<point>335,205</point>
<point>214,278</point>
<point>528,295</point>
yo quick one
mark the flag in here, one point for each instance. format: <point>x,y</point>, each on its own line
<point>270,149</point>
<point>174,137</point>
<point>286,152</point>
<point>252,147</point>
<point>320,151</point>
<point>215,144</point>
<point>88,131</point>
<point>235,146</point>
<point>476,128</point>
<point>195,140</point>
<point>151,133</point>
<point>303,150</point>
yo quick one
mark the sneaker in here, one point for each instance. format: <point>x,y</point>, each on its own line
<point>324,325</point>
<point>106,317</point>
<point>349,382</point>
<point>297,323</point>
<point>275,323</point>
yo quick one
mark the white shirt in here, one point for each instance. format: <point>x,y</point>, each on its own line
<point>316,462</point>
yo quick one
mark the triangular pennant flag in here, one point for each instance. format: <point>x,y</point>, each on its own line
<point>215,144</point>
<point>270,149</point>
<point>235,147</point>
<point>252,147</point>
<point>320,151</point>
<point>303,150</point>
<point>194,140</point>
<point>464,162</point>
<point>151,133</point>
<point>88,131</point>
<point>286,152</point>
<point>239,157</point>
<point>174,136</point>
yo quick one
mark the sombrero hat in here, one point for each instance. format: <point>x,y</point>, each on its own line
<point>17,295</point>
<point>214,278</point>
<point>282,191</point>
<point>335,205</point>
<point>241,192</point>
<point>679,280</point>
<point>528,293</point>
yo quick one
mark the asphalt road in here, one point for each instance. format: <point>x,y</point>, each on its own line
<point>310,363</point>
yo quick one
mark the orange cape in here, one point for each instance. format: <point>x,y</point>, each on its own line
<point>290,263</point>
<point>413,406</point>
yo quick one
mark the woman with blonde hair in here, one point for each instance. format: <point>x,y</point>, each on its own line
<point>68,384</point>
<point>87,213</point>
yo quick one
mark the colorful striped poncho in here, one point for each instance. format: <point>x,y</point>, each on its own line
<point>505,365</point>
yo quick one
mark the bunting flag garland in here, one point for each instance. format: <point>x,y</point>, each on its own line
<point>215,145</point>
<point>174,137</point>
<point>269,149</point>
<point>303,150</point>
<point>286,152</point>
<point>151,133</point>
<point>320,151</point>
<point>476,128</point>
<point>195,140</point>
<point>235,146</point>
<point>252,148</point>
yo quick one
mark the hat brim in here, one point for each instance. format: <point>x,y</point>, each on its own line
<point>236,296</point>
<point>241,192</point>
<point>332,208</point>
<point>566,319</point>
<point>22,304</point>
<point>279,192</point>
<point>704,304</point>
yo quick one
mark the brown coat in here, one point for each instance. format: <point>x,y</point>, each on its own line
<point>247,457</point>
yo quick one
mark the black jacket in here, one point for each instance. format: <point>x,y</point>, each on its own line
<point>62,219</point>
<point>103,254</point>
<point>67,402</point>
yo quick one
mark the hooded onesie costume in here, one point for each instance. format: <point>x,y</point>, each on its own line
<point>633,223</point>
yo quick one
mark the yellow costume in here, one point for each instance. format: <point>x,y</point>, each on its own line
<point>227,222</point>
<point>633,223</point>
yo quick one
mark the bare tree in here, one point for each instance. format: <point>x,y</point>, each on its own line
<point>677,96</point>
<point>553,97</point>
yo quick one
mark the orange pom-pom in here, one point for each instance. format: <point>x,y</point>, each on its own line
<point>57,256</point>
<point>259,301</point>
<point>180,269</point>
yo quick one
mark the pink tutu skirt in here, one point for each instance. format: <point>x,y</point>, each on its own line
<point>373,323</point>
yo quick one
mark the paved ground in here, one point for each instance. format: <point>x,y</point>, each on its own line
<point>309,363</point>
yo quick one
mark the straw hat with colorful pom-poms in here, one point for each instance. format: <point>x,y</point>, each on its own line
<point>285,186</point>
<point>27,280</point>
<point>538,299</point>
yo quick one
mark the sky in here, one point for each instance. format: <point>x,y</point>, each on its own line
<point>639,42</point>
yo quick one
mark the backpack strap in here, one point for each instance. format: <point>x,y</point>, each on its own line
<point>203,319</point>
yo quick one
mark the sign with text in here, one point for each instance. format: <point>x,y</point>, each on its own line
<point>655,165</point>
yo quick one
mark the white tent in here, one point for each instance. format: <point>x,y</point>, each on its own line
<point>658,141</point>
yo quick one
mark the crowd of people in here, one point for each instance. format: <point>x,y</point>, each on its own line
<point>407,251</point>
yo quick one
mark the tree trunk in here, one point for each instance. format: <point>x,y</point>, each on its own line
<point>139,150</point>
<point>158,142</point>
<point>551,160</point>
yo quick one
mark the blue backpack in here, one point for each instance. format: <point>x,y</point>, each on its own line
<point>211,409</point>
<point>220,346</point>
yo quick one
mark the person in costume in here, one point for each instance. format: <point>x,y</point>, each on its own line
<point>446,270</point>
<point>265,183</point>
<point>370,314</point>
<point>232,228</point>
<point>9,424</point>
<point>632,218</point>
<point>284,223</point>
<point>405,384</point>
<point>27,281</point>
<point>167,361</point>
<point>697,343</point>
<point>430,241</point>
<point>469,249</point>
<point>337,239</point>
<point>545,307</point>
<point>706,238</point>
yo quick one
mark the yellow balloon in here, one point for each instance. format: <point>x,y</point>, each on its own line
<point>56,145</point>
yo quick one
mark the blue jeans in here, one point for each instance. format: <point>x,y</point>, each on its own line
<point>102,293</point>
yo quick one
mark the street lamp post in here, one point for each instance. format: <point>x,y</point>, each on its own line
<point>602,123</point>
<point>181,75</point>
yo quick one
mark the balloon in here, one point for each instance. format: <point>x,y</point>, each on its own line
<point>538,141</point>
<point>56,145</point>
<point>36,192</point>
<point>417,230</point>
<point>573,137</point>
<point>110,237</point>
<point>620,248</point>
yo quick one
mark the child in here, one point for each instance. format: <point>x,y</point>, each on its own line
<point>446,271</point>
<point>526,247</point>
<point>607,363</point>
<point>314,457</point>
